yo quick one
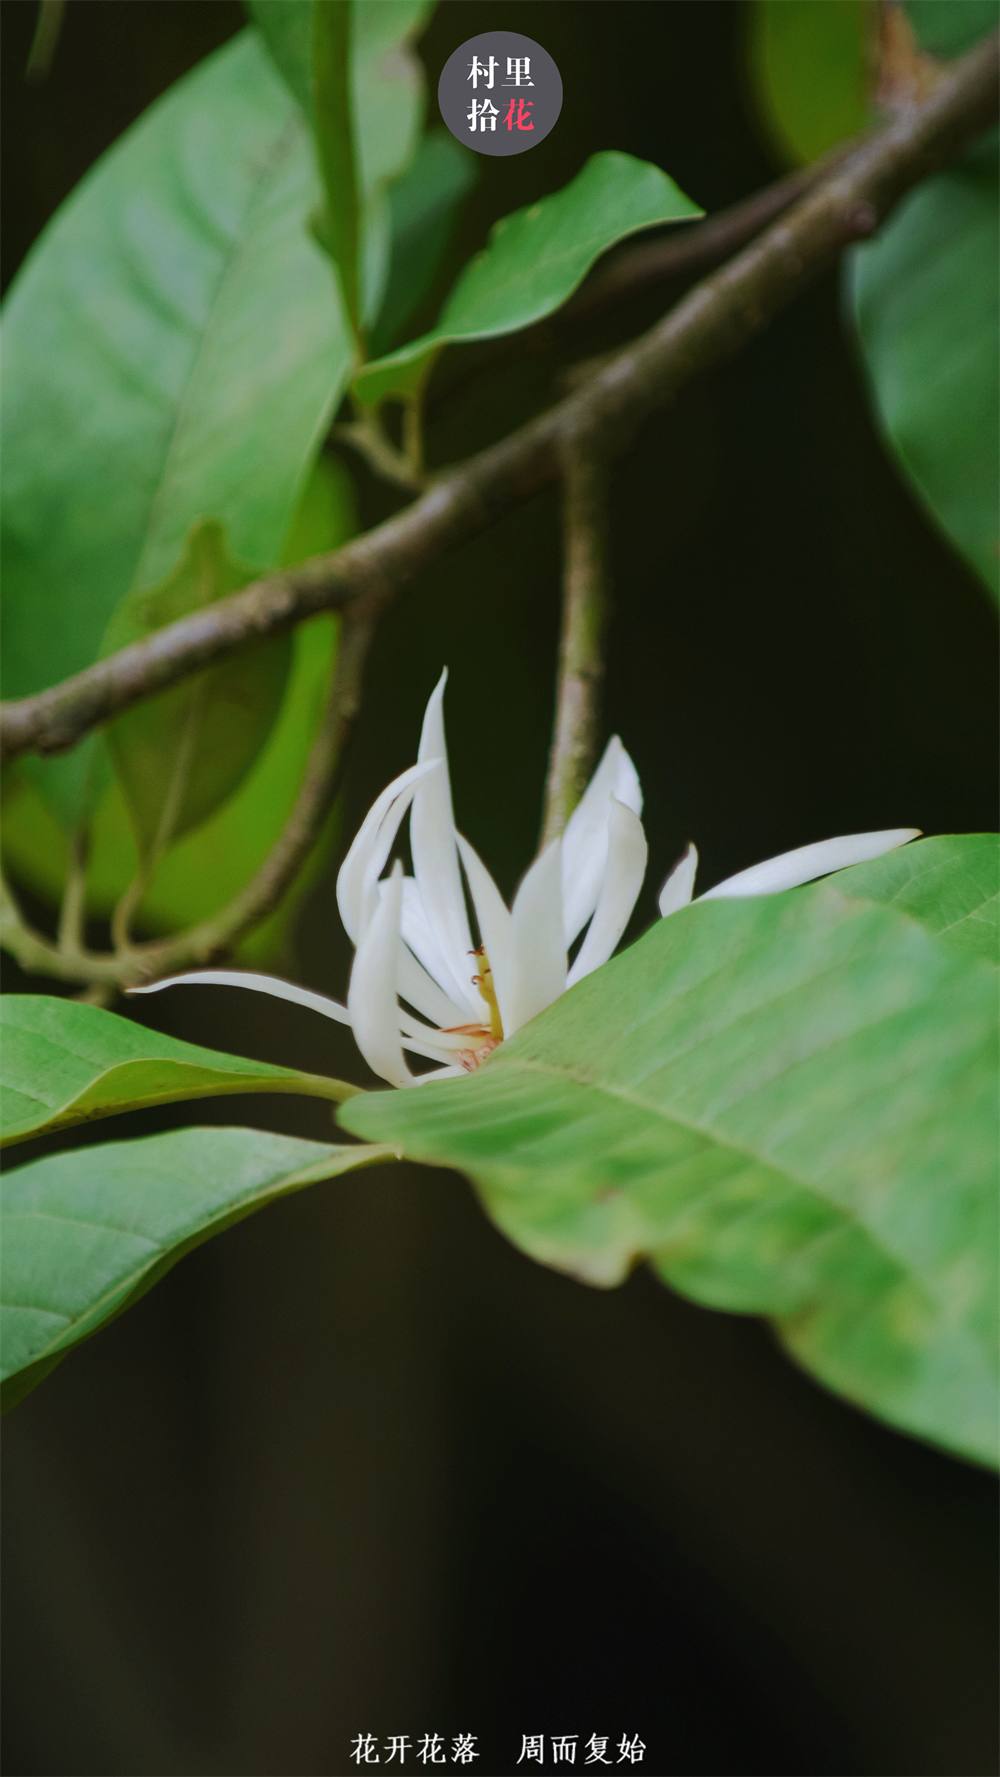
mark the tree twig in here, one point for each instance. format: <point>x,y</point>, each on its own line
<point>216,934</point>
<point>712,322</point>
<point>581,642</point>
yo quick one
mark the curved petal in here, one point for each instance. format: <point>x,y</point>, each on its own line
<point>585,841</point>
<point>420,991</point>
<point>370,840</point>
<point>679,886</point>
<point>371,997</point>
<point>536,961</point>
<point>626,867</point>
<point>792,868</point>
<point>279,990</point>
<point>492,918</point>
<point>421,939</point>
<point>435,857</point>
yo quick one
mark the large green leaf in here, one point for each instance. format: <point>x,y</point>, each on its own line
<point>947,27</point>
<point>423,203</point>
<point>212,863</point>
<point>809,72</point>
<point>180,755</point>
<point>533,261</point>
<point>789,1104</point>
<point>951,884</point>
<point>924,295</point>
<point>86,1234</point>
<point>200,345</point>
<point>64,1063</point>
<point>362,89</point>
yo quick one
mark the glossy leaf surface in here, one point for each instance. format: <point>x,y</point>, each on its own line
<point>86,1234</point>
<point>201,346</point>
<point>789,1105</point>
<point>533,261</point>
<point>63,1063</point>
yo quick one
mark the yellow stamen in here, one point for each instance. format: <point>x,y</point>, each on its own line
<point>484,982</point>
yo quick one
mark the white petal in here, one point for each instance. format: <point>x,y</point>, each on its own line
<point>422,939</point>
<point>492,919</point>
<point>793,868</point>
<point>679,886</point>
<point>440,1073</point>
<point>536,961</point>
<point>626,867</point>
<point>279,990</point>
<point>585,841</point>
<point>368,843</point>
<point>371,997</point>
<point>435,857</point>
<point>418,989</point>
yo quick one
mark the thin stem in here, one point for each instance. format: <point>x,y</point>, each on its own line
<point>121,919</point>
<point>45,40</point>
<point>72,910</point>
<point>711,323</point>
<point>581,643</point>
<point>258,898</point>
<point>366,436</point>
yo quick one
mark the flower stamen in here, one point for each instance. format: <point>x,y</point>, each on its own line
<point>484,982</point>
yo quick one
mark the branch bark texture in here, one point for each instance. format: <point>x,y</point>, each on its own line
<point>712,322</point>
<point>581,644</point>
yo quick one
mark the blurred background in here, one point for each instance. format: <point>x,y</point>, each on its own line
<point>359,1466</point>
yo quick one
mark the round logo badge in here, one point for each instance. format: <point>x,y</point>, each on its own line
<point>500,93</point>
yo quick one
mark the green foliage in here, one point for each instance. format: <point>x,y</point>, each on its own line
<point>950,883</point>
<point>808,68</point>
<point>924,295</point>
<point>533,261</point>
<point>63,1063</point>
<point>210,864</point>
<point>180,755</point>
<point>423,203</point>
<point>87,1234</point>
<point>354,75</point>
<point>946,28</point>
<point>789,1105</point>
<point>201,349</point>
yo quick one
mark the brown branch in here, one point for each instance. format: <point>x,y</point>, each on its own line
<point>713,321</point>
<point>216,934</point>
<point>584,618</point>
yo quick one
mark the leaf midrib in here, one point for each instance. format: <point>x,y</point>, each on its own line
<point>231,262</point>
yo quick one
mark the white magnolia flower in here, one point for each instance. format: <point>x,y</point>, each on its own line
<point>411,933</point>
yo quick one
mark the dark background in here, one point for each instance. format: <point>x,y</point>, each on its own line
<point>359,1465</point>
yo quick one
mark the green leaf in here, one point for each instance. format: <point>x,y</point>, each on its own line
<point>86,1234</point>
<point>533,261</point>
<point>788,1104</point>
<point>423,203</point>
<point>64,1063</point>
<point>951,884</point>
<point>924,295</point>
<point>180,755</point>
<point>201,347</point>
<point>809,73</point>
<point>212,863</point>
<point>334,126</point>
<point>383,98</point>
<point>943,28</point>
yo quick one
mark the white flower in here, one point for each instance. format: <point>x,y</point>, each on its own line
<point>789,870</point>
<point>411,933</point>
